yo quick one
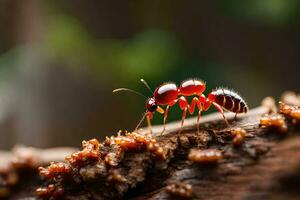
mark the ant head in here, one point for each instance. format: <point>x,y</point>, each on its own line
<point>151,105</point>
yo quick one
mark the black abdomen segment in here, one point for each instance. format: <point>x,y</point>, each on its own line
<point>230,100</point>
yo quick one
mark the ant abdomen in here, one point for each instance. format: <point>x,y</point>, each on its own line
<point>230,100</point>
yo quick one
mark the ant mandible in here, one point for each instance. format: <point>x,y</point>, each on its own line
<point>168,94</point>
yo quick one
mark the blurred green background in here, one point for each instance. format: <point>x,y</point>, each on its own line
<point>60,60</point>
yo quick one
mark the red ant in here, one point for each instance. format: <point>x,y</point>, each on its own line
<point>169,94</point>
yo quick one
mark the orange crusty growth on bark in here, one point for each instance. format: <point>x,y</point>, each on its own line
<point>55,169</point>
<point>131,142</point>
<point>97,160</point>
<point>206,156</point>
<point>290,111</point>
<point>239,135</point>
<point>180,190</point>
<point>61,170</point>
<point>275,120</point>
<point>90,152</point>
<point>136,141</point>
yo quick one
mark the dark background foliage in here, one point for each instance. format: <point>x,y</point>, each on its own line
<point>60,60</point>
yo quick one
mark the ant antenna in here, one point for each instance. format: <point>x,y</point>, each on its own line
<point>147,85</point>
<point>140,122</point>
<point>128,90</point>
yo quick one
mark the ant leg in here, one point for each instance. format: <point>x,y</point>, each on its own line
<point>165,119</point>
<point>149,124</point>
<point>141,121</point>
<point>197,102</point>
<point>183,104</point>
<point>235,117</point>
<point>198,121</point>
<point>183,117</point>
<point>219,108</point>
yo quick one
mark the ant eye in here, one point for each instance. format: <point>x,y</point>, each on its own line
<point>153,107</point>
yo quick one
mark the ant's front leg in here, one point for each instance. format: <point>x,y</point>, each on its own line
<point>160,110</point>
<point>149,117</point>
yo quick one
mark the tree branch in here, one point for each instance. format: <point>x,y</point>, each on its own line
<point>264,166</point>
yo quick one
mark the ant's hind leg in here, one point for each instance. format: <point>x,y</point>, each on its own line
<point>165,120</point>
<point>235,117</point>
<point>219,108</point>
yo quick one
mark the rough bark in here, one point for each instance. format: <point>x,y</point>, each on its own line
<point>18,169</point>
<point>265,166</point>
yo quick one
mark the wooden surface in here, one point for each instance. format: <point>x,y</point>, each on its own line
<point>265,166</point>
